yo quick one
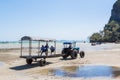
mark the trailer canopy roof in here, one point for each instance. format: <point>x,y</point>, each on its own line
<point>36,39</point>
<point>69,42</point>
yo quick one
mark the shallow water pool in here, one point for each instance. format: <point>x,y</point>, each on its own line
<point>86,71</point>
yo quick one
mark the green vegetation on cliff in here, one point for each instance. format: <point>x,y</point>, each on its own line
<point>111,32</point>
<point>96,37</point>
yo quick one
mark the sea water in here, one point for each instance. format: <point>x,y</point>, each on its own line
<point>9,45</point>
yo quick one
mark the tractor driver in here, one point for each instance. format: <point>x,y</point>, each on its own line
<point>70,47</point>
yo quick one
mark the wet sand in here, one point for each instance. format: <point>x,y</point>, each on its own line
<point>15,68</point>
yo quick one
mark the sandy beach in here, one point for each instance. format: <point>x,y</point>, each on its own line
<point>15,68</point>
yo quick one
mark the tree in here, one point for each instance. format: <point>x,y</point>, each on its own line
<point>96,37</point>
<point>111,31</point>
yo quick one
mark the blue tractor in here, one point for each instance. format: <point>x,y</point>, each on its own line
<point>70,49</point>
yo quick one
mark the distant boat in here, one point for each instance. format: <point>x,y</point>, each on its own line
<point>93,44</point>
<point>117,42</point>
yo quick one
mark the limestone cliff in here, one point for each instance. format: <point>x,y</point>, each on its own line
<point>115,14</point>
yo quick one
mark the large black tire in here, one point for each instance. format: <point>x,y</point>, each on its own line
<point>82,54</point>
<point>65,55</point>
<point>29,60</point>
<point>73,54</point>
<point>42,62</point>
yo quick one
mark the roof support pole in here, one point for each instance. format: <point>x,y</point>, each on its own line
<point>30,47</point>
<point>38,48</point>
<point>55,46</point>
<point>21,47</point>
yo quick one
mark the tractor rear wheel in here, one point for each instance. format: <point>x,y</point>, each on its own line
<point>73,54</point>
<point>65,55</point>
<point>82,54</point>
<point>29,60</point>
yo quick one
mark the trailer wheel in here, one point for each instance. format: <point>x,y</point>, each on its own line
<point>73,55</point>
<point>82,54</point>
<point>29,60</point>
<point>42,62</point>
<point>65,55</point>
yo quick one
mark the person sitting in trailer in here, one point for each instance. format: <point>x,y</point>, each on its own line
<point>46,49</point>
<point>43,49</point>
<point>52,49</point>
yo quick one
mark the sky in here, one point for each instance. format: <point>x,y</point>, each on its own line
<point>58,19</point>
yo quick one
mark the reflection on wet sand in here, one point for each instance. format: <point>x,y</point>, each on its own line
<point>116,72</point>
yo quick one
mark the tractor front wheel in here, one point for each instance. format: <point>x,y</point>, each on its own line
<point>82,54</point>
